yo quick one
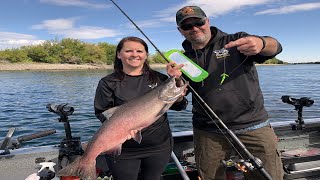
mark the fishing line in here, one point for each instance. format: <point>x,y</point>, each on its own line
<point>190,87</point>
<point>208,109</point>
<point>201,102</point>
<point>224,75</point>
<point>199,99</point>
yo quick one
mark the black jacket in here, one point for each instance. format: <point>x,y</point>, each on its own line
<point>112,91</point>
<point>238,101</point>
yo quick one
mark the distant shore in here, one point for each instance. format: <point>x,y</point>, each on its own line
<point>4,66</point>
<point>46,66</point>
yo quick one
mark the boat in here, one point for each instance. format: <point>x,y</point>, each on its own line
<point>299,145</point>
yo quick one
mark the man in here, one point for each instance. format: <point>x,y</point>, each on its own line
<point>231,90</point>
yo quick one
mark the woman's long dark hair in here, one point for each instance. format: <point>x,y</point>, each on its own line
<point>118,66</point>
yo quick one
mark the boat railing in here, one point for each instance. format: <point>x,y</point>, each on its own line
<point>9,144</point>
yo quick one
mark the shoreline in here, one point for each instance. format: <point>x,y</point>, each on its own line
<point>53,67</point>
<point>46,66</point>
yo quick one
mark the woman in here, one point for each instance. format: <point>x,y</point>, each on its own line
<point>133,77</point>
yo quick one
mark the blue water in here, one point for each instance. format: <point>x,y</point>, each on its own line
<point>25,94</point>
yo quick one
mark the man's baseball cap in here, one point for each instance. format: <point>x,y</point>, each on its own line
<point>188,12</point>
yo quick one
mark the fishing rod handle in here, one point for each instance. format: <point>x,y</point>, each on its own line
<point>256,162</point>
<point>36,135</point>
<point>265,174</point>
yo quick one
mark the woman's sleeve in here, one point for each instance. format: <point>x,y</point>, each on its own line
<point>103,100</point>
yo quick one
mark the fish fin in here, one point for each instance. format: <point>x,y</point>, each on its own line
<point>138,137</point>
<point>85,172</point>
<point>108,113</point>
<point>117,150</point>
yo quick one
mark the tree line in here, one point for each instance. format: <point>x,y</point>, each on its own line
<point>74,51</point>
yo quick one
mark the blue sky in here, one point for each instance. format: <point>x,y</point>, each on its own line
<point>295,23</point>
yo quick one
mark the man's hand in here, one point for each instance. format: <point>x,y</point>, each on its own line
<point>173,70</point>
<point>248,46</point>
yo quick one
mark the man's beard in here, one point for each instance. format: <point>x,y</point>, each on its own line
<point>200,39</point>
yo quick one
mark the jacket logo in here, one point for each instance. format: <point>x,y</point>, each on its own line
<point>222,53</point>
<point>153,85</point>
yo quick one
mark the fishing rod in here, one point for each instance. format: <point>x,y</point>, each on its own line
<point>257,163</point>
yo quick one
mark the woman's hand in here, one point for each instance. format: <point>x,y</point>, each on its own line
<point>132,134</point>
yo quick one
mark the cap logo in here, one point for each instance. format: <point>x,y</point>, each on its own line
<point>187,11</point>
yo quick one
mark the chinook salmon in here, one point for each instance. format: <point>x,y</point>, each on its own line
<point>122,122</point>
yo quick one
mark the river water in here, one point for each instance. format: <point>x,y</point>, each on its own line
<point>25,94</point>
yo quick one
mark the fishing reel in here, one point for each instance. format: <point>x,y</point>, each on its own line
<point>240,164</point>
<point>236,168</point>
<point>298,104</point>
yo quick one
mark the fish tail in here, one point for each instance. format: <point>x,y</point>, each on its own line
<point>86,171</point>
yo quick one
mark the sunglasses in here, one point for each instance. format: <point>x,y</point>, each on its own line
<point>198,23</point>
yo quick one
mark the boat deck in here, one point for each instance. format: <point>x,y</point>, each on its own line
<point>21,163</point>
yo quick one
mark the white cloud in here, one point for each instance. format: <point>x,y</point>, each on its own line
<point>11,35</point>
<point>220,7</point>
<point>211,8</point>
<point>56,24</point>
<point>88,32</point>
<point>77,3</point>
<point>15,40</point>
<point>146,24</point>
<point>63,28</point>
<point>291,9</point>
<point>66,28</point>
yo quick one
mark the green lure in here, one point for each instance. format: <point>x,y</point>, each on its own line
<point>223,77</point>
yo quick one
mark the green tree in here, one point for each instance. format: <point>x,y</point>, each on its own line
<point>157,58</point>
<point>14,55</point>
<point>110,52</point>
<point>273,61</point>
<point>72,51</point>
<point>4,55</point>
<point>93,54</point>
<point>36,53</point>
<point>54,50</point>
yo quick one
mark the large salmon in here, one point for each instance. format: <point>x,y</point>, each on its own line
<point>130,117</point>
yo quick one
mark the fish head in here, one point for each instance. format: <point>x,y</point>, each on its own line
<point>169,92</point>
